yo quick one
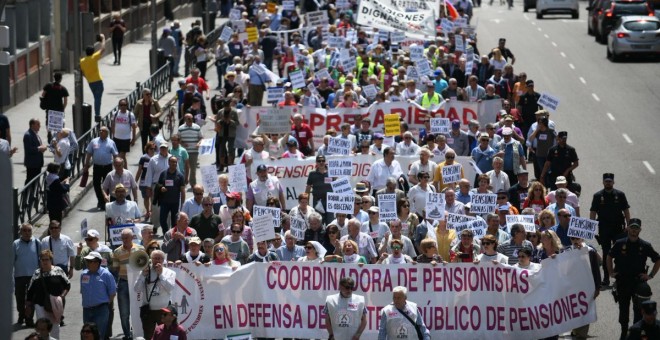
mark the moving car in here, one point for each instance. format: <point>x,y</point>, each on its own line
<point>594,9</point>
<point>544,7</point>
<point>613,10</point>
<point>527,4</point>
<point>634,35</point>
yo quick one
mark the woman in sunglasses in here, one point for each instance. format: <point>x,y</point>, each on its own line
<point>397,256</point>
<point>549,247</point>
<point>237,248</point>
<point>524,260</point>
<point>489,251</point>
<point>349,250</point>
<point>151,246</point>
<point>331,241</point>
<point>239,217</point>
<point>314,252</point>
<point>222,257</point>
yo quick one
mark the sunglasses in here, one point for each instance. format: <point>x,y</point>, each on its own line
<point>309,247</point>
<point>347,286</point>
<point>86,331</point>
<point>220,250</point>
<point>372,213</point>
<point>320,161</point>
<point>235,231</point>
<point>449,157</point>
<point>405,206</point>
<point>487,243</point>
<point>53,228</point>
<point>45,259</point>
<point>523,256</point>
<point>396,247</point>
<point>332,232</point>
<point>501,197</point>
<point>153,248</point>
<point>565,215</point>
<point>198,193</point>
<point>208,204</point>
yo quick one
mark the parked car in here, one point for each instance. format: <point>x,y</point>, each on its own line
<point>634,35</point>
<point>594,9</point>
<point>527,4</point>
<point>616,9</point>
<point>544,7</point>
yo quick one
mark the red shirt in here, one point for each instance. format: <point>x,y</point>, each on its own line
<point>163,332</point>
<point>303,134</point>
<point>200,84</point>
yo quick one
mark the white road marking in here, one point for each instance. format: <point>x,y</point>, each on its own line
<point>649,167</point>
<point>539,28</point>
<point>533,23</point>
<point>595,97</point>
<point>497,21</point>
<point>571,66</point>
<point>562,54</point>
<point>526,17</point>
<point>610,116</point>
<point>625,136</point>
<point>583,81</point>
<point>554,44</point>
<point>546,36</point>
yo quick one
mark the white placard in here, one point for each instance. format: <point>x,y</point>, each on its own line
<point>548,101</point>
<point>340,203</point>
<point>397,37</point>
<point>583,228</point>
<point>262,228</point>
<point>387,207</point>
<point>278,120</point>
<point>416,53</point>
<point>274,213</point>
<point>446,25</point>
<point>424,67</point>
<point>343,4</point>
<point>55,121</point>
<point>235,14</point>
<point>114,233</point>
<point>336,42</point>
<point>349,64</point>
<point>207,146</point>
<point>460,226</point>
<point>312,88</point>
<point>483,203</point>
<point>275,94</point>
<point>297,79</point>
<point>389,141</point>
<point>238,177</point>
<point>435,206</point>
<point>288,5</point>
<point>453,219</point>
<point>239,27</point>
<point>83,228</point>
<point>322,73</point>
<point>440,125</point>
<point>526,220</point>
<point>383,35</point>
<point>341,167</point>
<point>451,173</point>
<point>460,46</point>
<point>351,35</point>
<point>317,18</point>
<point>226,33</point>
<point>342,186</point>
<point>210,178</point>
<point>242,336</point>
<point>370,91</point>
<point>479,227</point>
<point>339,146</point>
<point>298,227</point>
<point>460,22</point>
<point>411,72</point>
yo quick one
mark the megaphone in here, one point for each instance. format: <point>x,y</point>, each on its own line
<point>138,260</point>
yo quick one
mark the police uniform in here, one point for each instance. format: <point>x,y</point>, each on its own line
<point>630,262</point>
<point>345,313</point>
<point>393,325</point>
<point>646,330</point>
<point>560,158</point>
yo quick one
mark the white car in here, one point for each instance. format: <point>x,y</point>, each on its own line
<point>544,7</point>
<point>634,34</point>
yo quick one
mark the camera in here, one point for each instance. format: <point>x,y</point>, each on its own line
<point>545,121</point>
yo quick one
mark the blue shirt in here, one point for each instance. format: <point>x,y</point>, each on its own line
<point>284,254</point>
<point>362,216</point>
<point>26,257</point>
<point>463,198</point>
<point>96,288</point>
<point>555,210</point>
<point>440,85</point>
<point>563,235</point>
<point>256,78</point>
<point>484,159</point>
<point>102,151</point>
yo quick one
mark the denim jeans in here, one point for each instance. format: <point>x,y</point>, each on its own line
<point>97,91</point>
<point>124,307</point>
<point>98,315</point>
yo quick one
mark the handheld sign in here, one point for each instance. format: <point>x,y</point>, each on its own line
<point>274,94</point>
<point>235,14</point>
<point>435,206</point>
<point>392,125</point>
<point>238,177</point>
<point>370,91</point>
<point>387,207</point>
<point>340,167</point>
<point>274,213</point>
<point>424,68</point>
<point>297,79</point>
<point>446,25</point>
<point>459,43</point>
<point>262,228</point>
<point>83,228</point>
<point>322,73</point>
<point>278,120</point>
<point>114,232</point>
<point>298,227</point>
<point>397,37</point>
<point>336,42</point>
<point>454,219</point>
<point>317,18</point>
<point>440,125</point>
<point>342,186</point>
<point>583,228</point>
<point>483,203</point>
<point>253,34</point>
<point>340,203</point>
<point>339,146</point>
<point>416,53</point>
<point>288,5</point>
<point>226,33</point>
<point>451,173</point>
<point>55,121</point>
<point>548,101</point>
<point>210,178</point>
<point>526,220</point>
<point>460,226</point>
<point>207,146</point>
<point>479,227</point>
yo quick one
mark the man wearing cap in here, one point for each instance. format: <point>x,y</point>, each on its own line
<point>610,207</point>
<point>561,160</point>
<point>119,269</point>
<point>264,186</point>
<point>541,137</point>
<point>292,151</point>
<point>194,253</point>
<point>384,168</point>
<point>303,134</point>
<point>98,290</point>
<point>345,313</point>
<point>483,154</point>
<point>649,326</point>
<point>511,151</point>
<point>458,139</point>
<point>507,121</point>
<point>630,254</point>
<point>92,245</point>
<point>101,150</point>
<point>377,147</point>
<point>119,176</point>
<point>510,247</point>
<point>571,199</point>
<point>168,328</point>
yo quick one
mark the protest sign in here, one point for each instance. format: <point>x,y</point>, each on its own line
<point>451,173</point>
<point>288,5</point>
<point>207,146</point>
<point>397,37</point>
<point>479,227</point>
<point>446,25</point>
<point>339,146</point>
<point>275,213</point>
<point>435,206</point>
<point>253,35</point>
<point>483,203</point>
<point>383,35</point>
<point>114,233</point>
<point>387,207</point>
<point>271,7</point>
<point>263,228</point>
<point>453,219</point>
<point>424,68</point>
<point>336,42</point>
<point>548,101</point>
<point>412,73</point>
<point>298,227</point>
<point>275,94</point>
<point>416,53</point>
<point>317,18</point>
<point>384,15</point>
<point>392,125</point>
<point>460,226</point>
<point>242,336</point>
<point>312,88</point>
<point>460,22</point>
<point>210,178</point>
<point>278,120</point>
<point>351,35</point>
<point>226,34</point>
<point>297,79</point>
<point>55,121</point>
<point>440,125</point>
<point>322,73</point>
<point>349,63</point>
<point>459,43</point>
<point>526,220</point>
<point>238,178</point>
<point>495,303</point>
<point>341,186</point>
<point>370,91</point>
<point>235,14</point>
<point>341,167</point>
<point>340,203</point>
<point>239,27</point>
<point>343,4</point>
<point>83,228</point>
<point>583,228</point>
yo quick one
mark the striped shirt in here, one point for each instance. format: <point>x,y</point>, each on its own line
<point>190,136</point>
<point>510,249</point>
<point>120,260</point>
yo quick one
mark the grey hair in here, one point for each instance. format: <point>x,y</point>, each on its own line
<point>315,216</point>
<point>400,289</point>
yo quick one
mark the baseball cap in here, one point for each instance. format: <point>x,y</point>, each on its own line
<point>195,240</point>
<point>507,131</point>
<point>262,167</point>
<point>649,306</point>
<point>93,256</point>
<point>378,135</point>
<point>635,223</point>
<point>164,145</point>
<point>455,123</point>
<point>170,309</point>
<point>561,180</point>
<point>529,82</point>
<point>562,134</point>
<point>373,208</point>
<point>608,176</point>
<point>93,233</point>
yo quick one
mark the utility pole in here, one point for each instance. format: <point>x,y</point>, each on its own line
<point>77,74</point>
<point>154,38</point>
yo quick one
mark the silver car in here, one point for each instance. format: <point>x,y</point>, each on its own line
<point>634,35</point>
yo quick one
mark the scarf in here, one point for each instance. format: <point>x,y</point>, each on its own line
<point>351,258</point>
<point>216,261</point>
<point>190,259</point>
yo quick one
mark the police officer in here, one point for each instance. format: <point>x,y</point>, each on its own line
<point>560,161</point>
<point>345,313</point>
<point>649,326</point>
<point>401,319</point>
<point>611,207</point>
<point>630,254</point>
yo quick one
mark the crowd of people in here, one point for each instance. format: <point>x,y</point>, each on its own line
<point>213,229</point>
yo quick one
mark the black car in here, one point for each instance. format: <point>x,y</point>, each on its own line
<point>613,10</point>
<point>527,4</point>
<point>594,9</point>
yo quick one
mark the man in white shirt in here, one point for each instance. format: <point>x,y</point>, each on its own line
<point>423,164</point>
<point>407,147</point>
<point>122,211</point>
<point>255,155</point>
<point>124,129</point>
<point>64,254</point>
<point>366,246</point>
<point>499,180</point>
<point>384,168</point>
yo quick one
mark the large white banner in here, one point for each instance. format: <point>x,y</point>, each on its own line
<point>286,299</point>
<point>388,16</point>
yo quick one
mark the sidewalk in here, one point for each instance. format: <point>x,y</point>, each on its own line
<point>118,81</point>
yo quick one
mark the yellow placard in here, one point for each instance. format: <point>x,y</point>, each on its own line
<point>271,7</point>
<point>253,34</point>
<point>392,125</point>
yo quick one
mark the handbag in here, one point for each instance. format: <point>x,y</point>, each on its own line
<point>417,330</point>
